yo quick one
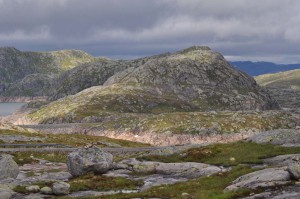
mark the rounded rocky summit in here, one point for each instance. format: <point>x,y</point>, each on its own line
<point>87,160</point>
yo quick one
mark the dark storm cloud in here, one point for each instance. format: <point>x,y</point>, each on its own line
<point>240,29</point>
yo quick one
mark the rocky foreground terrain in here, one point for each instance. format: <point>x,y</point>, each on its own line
<point>177,125</point>
<point>81,166</point>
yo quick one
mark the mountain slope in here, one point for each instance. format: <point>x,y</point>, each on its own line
<point>287,79</point>
<point>194,79</point>
<point>284,87</point>
<point>91,74</point>
<point>260,68</point>
<point>16,65</point>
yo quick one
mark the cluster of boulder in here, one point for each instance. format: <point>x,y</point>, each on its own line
<point>285,169</point>
<point>282,171</point>
<point>9,171</point>
<point>93,159</point>
<point>57,188</point>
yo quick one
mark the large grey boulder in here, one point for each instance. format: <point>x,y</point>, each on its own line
<point>264,178</point>
<point>185,169</point>
<point>87,160</point>
<point>8,167</point>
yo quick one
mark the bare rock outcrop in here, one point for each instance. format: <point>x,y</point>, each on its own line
<point>185,170</point>
<point>261,179</point>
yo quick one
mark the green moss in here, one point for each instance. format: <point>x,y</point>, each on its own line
<point>102,183</point>
<point>228,154</point>
<point>76,140</point>
<point>22,158</point>
<point>30,174</point>
<point>79,140</point>
<point>20,189</point>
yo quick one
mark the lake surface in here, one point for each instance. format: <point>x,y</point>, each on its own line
<point>9,108</point>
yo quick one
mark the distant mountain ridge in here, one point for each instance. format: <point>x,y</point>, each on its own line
<point>260,68</point>
<point>26,73</point>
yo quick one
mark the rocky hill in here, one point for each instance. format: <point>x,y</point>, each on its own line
<point>288,79</point>
<point>18,66</point>
<point>283,86</point>
<point>194,79</point>
<point>91,74</point>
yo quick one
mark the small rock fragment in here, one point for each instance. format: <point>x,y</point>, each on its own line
<point>61,188</point>
<point>294,170</point>
<point>33,188</point>
<point>46,190</point>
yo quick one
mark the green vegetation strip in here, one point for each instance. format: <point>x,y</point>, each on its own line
<point>22,158</point>
<point>227,154</point>
<point>74,140</point>
<point>102,183</point>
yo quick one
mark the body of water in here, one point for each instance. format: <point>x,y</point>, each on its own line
<point>9,108</point>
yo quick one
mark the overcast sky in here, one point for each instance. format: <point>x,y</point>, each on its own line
<point>267,30</point>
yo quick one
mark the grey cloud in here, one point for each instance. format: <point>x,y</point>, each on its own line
<point>240,29</point>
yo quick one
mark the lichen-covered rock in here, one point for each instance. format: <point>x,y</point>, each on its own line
<point>61,188</point>
<point>294,170</point>
<point>8,167</point>
<point>283,160</point>
<point>46,190</point>
<point>87,160</point>
<point>33,188</point>
<point>264,178</point>
<point>185,170</point>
